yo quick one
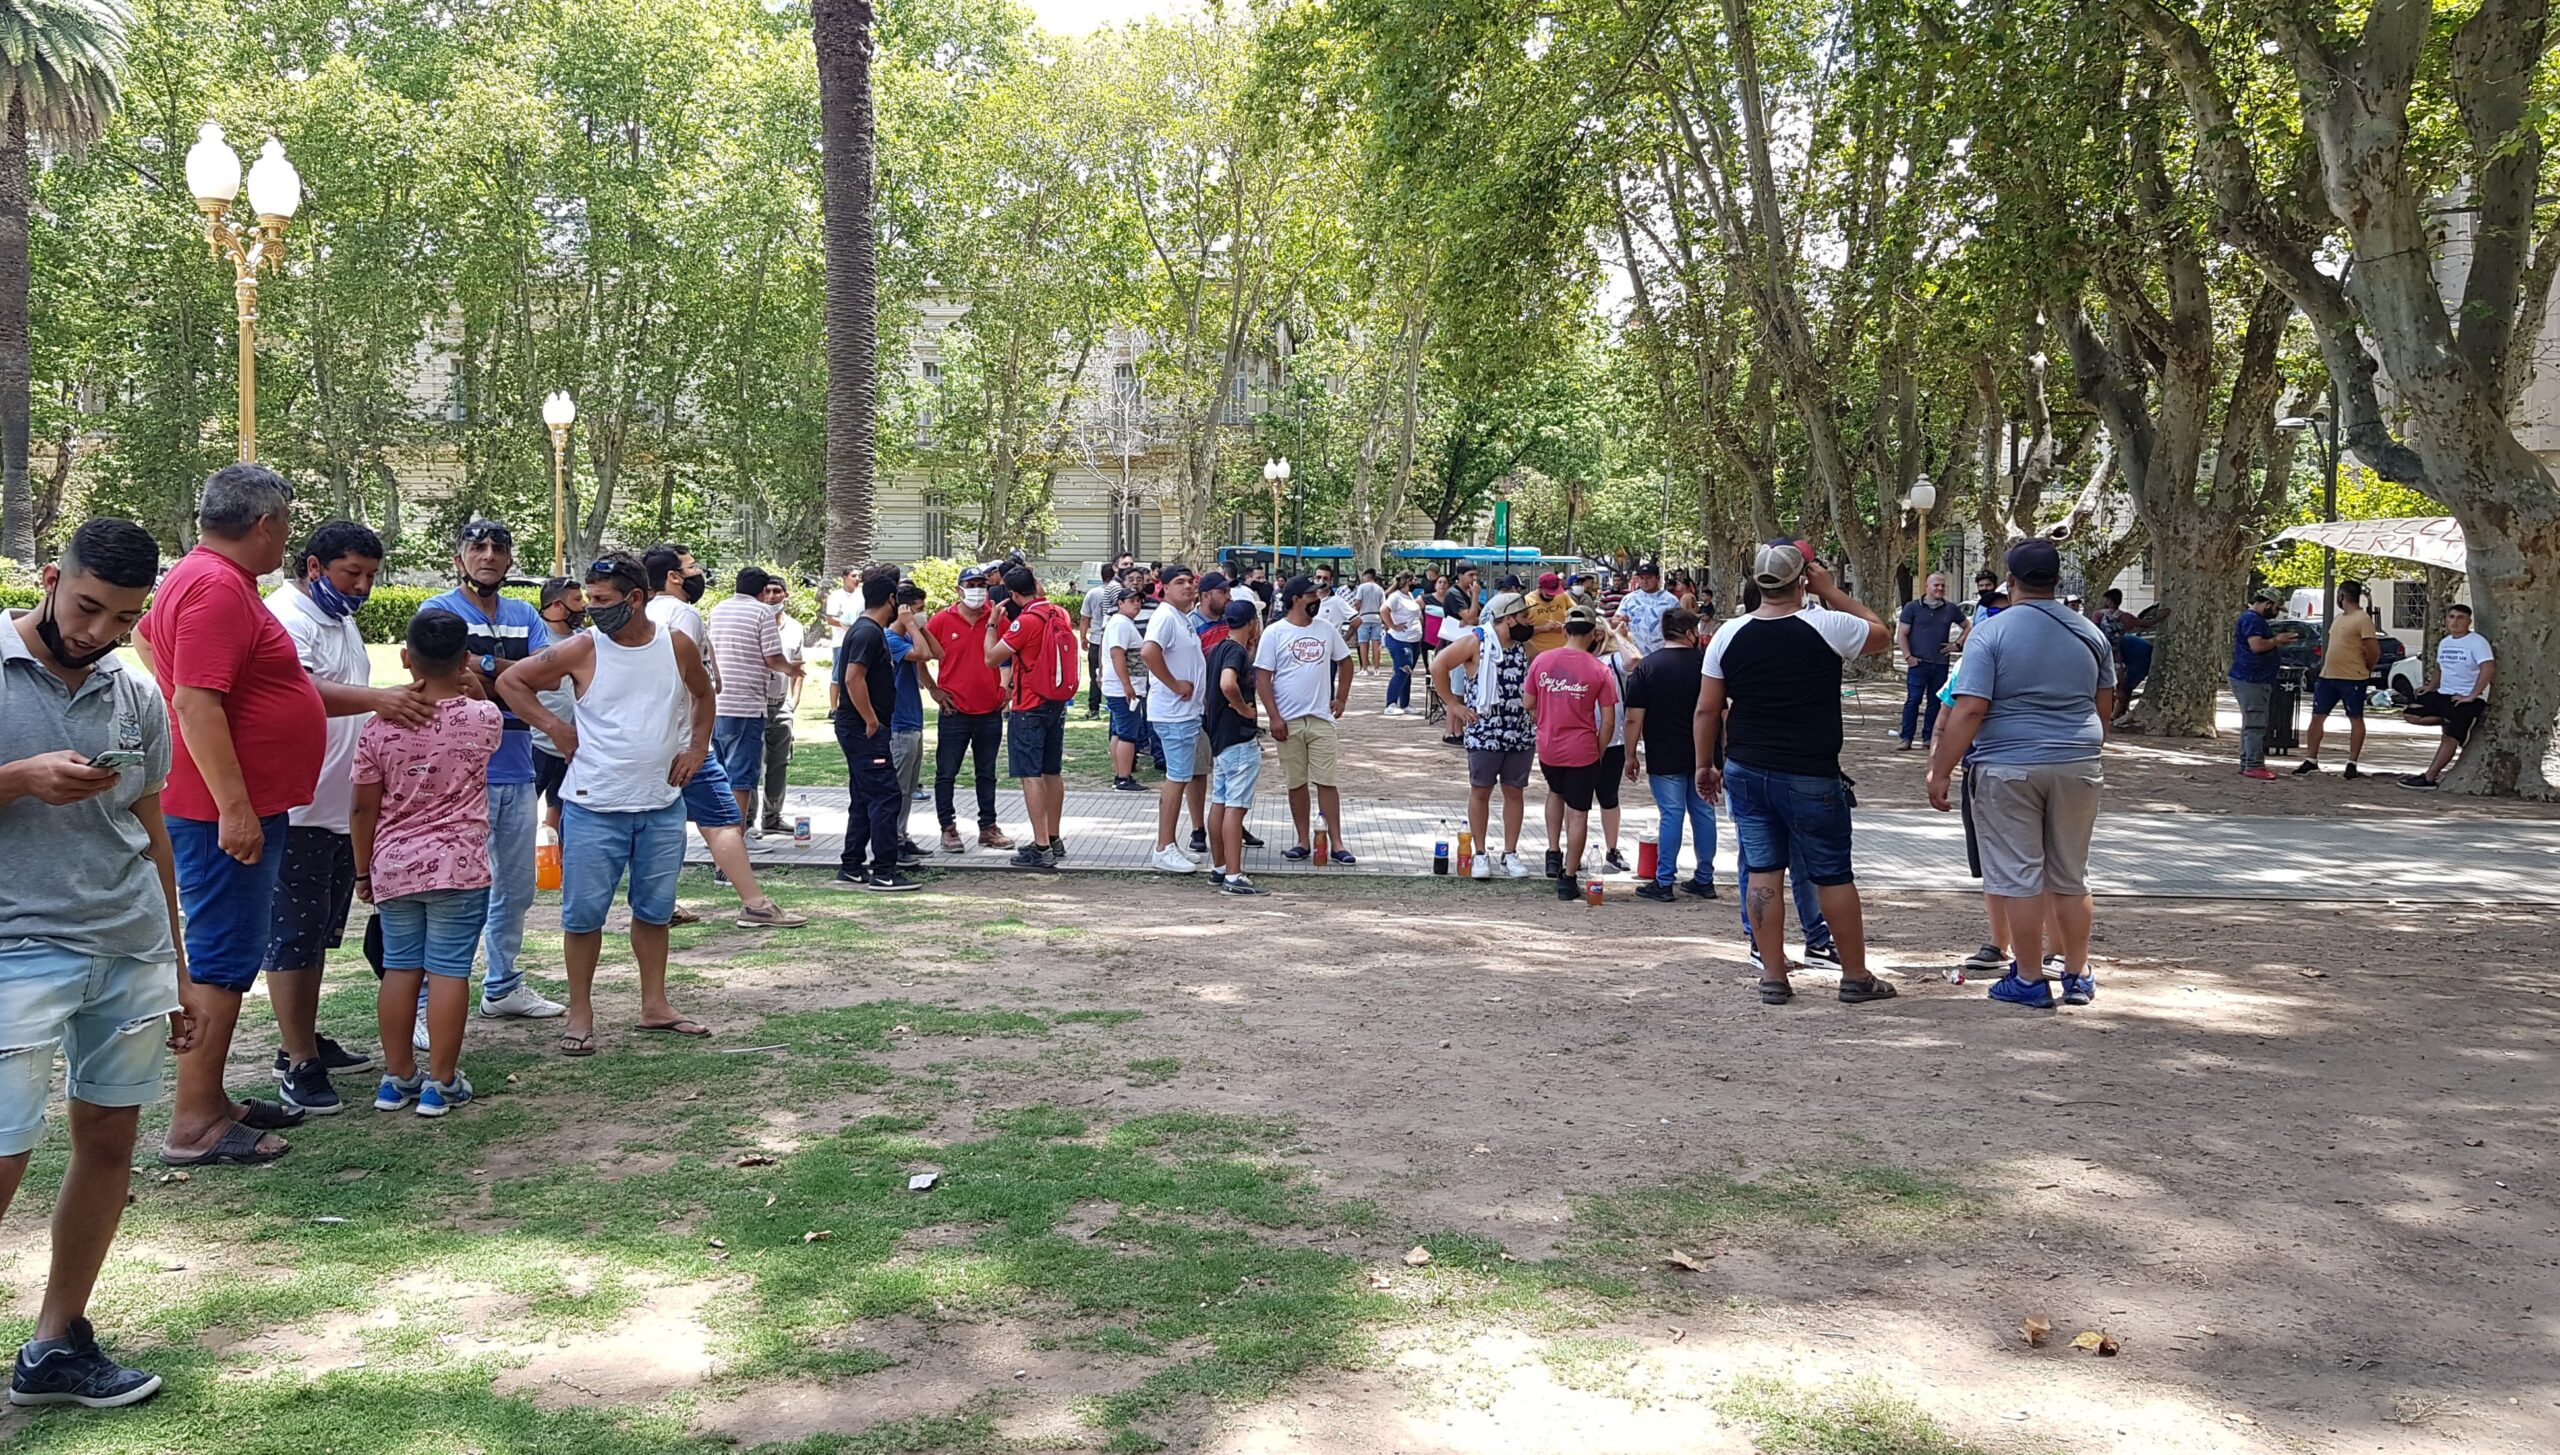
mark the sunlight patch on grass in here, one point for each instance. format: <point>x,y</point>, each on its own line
<point>1642,1223</point>
<point>1789,1419</point>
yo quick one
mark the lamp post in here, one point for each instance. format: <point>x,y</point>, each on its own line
<point>1921,496</point>
<point>2323,424</point>
<point>275,191</point>
<point>559,411</point>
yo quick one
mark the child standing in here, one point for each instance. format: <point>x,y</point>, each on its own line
<point>420,827</point>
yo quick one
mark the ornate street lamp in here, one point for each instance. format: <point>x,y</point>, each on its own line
<point>1921,496</point>
<point>275,192</point>
<point>559,411</point>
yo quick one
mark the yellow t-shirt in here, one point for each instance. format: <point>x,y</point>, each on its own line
<point>1548,617</point>
<point>2344,660</point>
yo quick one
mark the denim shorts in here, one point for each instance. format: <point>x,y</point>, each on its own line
<point>1784,817</point>
<point>597,849</point>
<point>738,744</point>
<point>1233,773</point>
<point>107,1013</point>
<point>2332,692</point>
<point>1128,719</point>
<point>437,931</point>
<point>1036,741</point>
<point>708,799</point>
<point>229,906</point>
<point>1181,750</point>
<point>313,895</point>
<point>1370,631</point>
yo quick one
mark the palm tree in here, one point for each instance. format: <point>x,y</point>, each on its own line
<point>58,63</point>
<point>843,31</point>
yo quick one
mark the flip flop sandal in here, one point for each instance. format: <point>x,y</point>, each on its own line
<point>238,1148</point>
<point>679,1027</point>
<point>1859,992</point>
<point>268,1116</point>
<point>577,1045</point>
<point>1776,992</point>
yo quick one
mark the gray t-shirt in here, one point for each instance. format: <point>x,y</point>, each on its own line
<point>79,878</point>
<point>1371,598</point>
<point>2040,665</point>
<point>1930,628</point>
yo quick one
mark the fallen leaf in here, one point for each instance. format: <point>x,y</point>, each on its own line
<point>1417,1256</point>
<point>754,1159</point>
<point>817,1235</point>
<point>1481,1150</point>
<point>2473,1142</point>
<point>2108,1348</point>
<point>2087,1339</point>
<point>902,1030</point>
<point>512,1078</point>
<point>1378,1279</point>
<point>2035,1327</point>
<point>2313,974</point>
<point>768,1199</point>
<point>1678,1259</point>
<point>717,1243</point>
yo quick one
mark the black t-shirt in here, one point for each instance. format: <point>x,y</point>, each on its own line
<point>1782,682</point>
<point>867,642</point>
<point>1225,726</point>
<point>1665,685</point>
<point>1454,604</point>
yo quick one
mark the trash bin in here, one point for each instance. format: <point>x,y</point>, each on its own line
<point>2284,706</point>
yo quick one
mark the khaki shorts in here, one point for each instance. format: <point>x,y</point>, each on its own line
<point>1312,752</point>
<point>2030,825</point>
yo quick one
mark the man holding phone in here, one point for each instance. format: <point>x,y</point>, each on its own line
<point>87,956</point>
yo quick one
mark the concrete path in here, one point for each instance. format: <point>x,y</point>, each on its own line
<point>2143,854</point>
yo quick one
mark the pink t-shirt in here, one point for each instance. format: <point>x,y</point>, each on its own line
<point>1567,688</point>
<point>434,829</point>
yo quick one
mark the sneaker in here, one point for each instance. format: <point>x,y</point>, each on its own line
<point>1555,863</point>
<point>2079,989</point>
<point>1617,862</point>
<point>1902,746</point>
<point>306,1088</point>
<point>1251,841</point>
<point>910,849</point>
<point>992,837</point>
<point>393,1093</point>
<point>1128,785</point>
<point>1512,866</point>
<point>2034,996</point>
<point>1860,992</point>
<point>1825,953</point>
<point>1658,892</point>
<point>74,1370</point>
<point>2054,965</point>
<point>1199,841</point>
<point>951,841</point>
<point>335,1059</point>
<point>2306,766</point>
<point>720,877</point>
<point>2353,771</point>
<point>1391,710</point>
<point>1057,851</point>
<point>1031,856</point>
<point>1792,962</point>
<point>2263,775</point>
<point>1238,884</point>
<point>1698,888</point>
<point>1172,860</point>
<point>1568,888</point>
<point>2417,780</point>
<point>848,879</point>
<point>418,1034</point>
<point>1989,957</point>
<point>523,1003</point>
<point>771,917</point>
<point>892,882</point>
<point>438,1097</point>
<point>1483,868</point>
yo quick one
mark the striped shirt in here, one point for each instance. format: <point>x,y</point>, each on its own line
<point>743,634</point>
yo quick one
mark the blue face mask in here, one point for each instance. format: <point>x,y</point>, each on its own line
<point>333,603</point>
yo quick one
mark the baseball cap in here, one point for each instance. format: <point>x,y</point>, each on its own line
<point>1777,566</point>
<point>1215,581</point>
<point>1173,571</point>
<point>1648,568</point>
<point>1509,603</point>
<point>1126,593</point>
<point>1241,613</point>
<point>2035,560</point>
<point>1581,616</point>
<point>1550,581</point>
<point>973,575</point>
<point>2265,593</point>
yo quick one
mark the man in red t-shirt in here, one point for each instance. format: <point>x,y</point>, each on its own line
<point>1572,698</point>
<point>968,695</point>
<point>1026,633</point>
<point>249,732</point>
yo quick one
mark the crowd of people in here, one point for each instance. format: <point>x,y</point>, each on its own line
<point>215,818</point>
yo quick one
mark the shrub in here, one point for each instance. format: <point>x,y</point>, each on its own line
<point>384,617</point>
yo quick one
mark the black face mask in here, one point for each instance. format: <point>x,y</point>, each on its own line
<point>573,621</point>
<point>51,636</point>
<point>609,619</point>
<point>1523,632</point>
<point>694,586</point>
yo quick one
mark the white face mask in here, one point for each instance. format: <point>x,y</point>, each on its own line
<point>973,597</point>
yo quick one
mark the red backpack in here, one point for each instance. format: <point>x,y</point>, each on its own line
<point>1058,658</point>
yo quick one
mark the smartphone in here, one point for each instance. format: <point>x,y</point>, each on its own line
<point>119,759</point>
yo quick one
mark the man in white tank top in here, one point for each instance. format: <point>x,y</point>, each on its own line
<point>643,726</point>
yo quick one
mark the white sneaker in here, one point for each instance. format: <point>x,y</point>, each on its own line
<point>1483,868</point>
<point>418,1033</point>
<point>1512,866</point>
<point>1391,711</point>
<point>524,1003</point>
<point>1172,860</point>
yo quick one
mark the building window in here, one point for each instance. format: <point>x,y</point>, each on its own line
<point>1125,520</point>
<point>2409,606</point>
<point>937,527</point>
<point>1124,384</point>
<point>928,406</point>
<point>1235,413</point>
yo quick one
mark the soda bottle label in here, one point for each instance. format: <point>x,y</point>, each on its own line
<point>1591,893</point>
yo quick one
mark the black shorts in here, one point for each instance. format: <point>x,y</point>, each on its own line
<point>1613,771</point>
<point>1575,786</point>
<point>313,894</point>
<point>2459,717</point>
<point>549,769</point>
<point>1036,741</point>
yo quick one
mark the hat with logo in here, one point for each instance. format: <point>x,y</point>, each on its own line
<point>1550,583</point>
<point>973,575</point>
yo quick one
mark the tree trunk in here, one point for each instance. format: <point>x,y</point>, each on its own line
<point>2203,583</point>
<point>2515,554</point>
<point>17,502</point>
<point>842,31</point>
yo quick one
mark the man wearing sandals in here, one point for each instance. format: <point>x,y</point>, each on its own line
<point>251,733</point>
<point>643,728</point>
<point>89,965</point>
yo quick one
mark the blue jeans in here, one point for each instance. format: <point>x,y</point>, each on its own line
<point>109,1017</point>
<point>1676,794</point>
<point>1920,683</point>
<point>1817,930</point>
<point>738,742</point>
<point>596,849</point>
<point>2137,665</point>
<point>1400,684</point>
<point>1795,822</point>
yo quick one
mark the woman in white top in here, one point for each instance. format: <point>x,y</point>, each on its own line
<point>1404,645</point>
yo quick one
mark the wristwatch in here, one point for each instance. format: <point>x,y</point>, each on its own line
<point>489,664</point>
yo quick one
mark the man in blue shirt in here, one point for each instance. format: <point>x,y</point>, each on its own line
<point>906,721</point>
<point>2032,704</point>
<point>1927,627</point>
<point>2253,679</point>
<point>499,630</point>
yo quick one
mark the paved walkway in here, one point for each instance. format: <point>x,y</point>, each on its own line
<point>2172,855</point>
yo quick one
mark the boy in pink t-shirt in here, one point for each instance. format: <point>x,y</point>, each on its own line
<point>1572,698</point>
<point>421,828</point>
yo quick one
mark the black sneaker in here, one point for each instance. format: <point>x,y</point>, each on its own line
<point>1057,853</point>
<point>1030,856</point>
<point>1250,841</point>
<point>909,856</point>
<point>1658,892</point>
<point>2353,771</point>
<point>1199,841</point>
<point>892,882</point>
<point>1617,862</point>
<point>1238,884</point>
<point>306,1089</point>
<point>2419,781</point>
<point>74,1370</point>
<point>1698,889</point>
<point>1128,785</point>
<point>1566,889</point>
<point>1555,863</point>
<point>849,879</point>
<point>2307,765</point>
<point>335,1059</point>
<point>1825,953</point>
